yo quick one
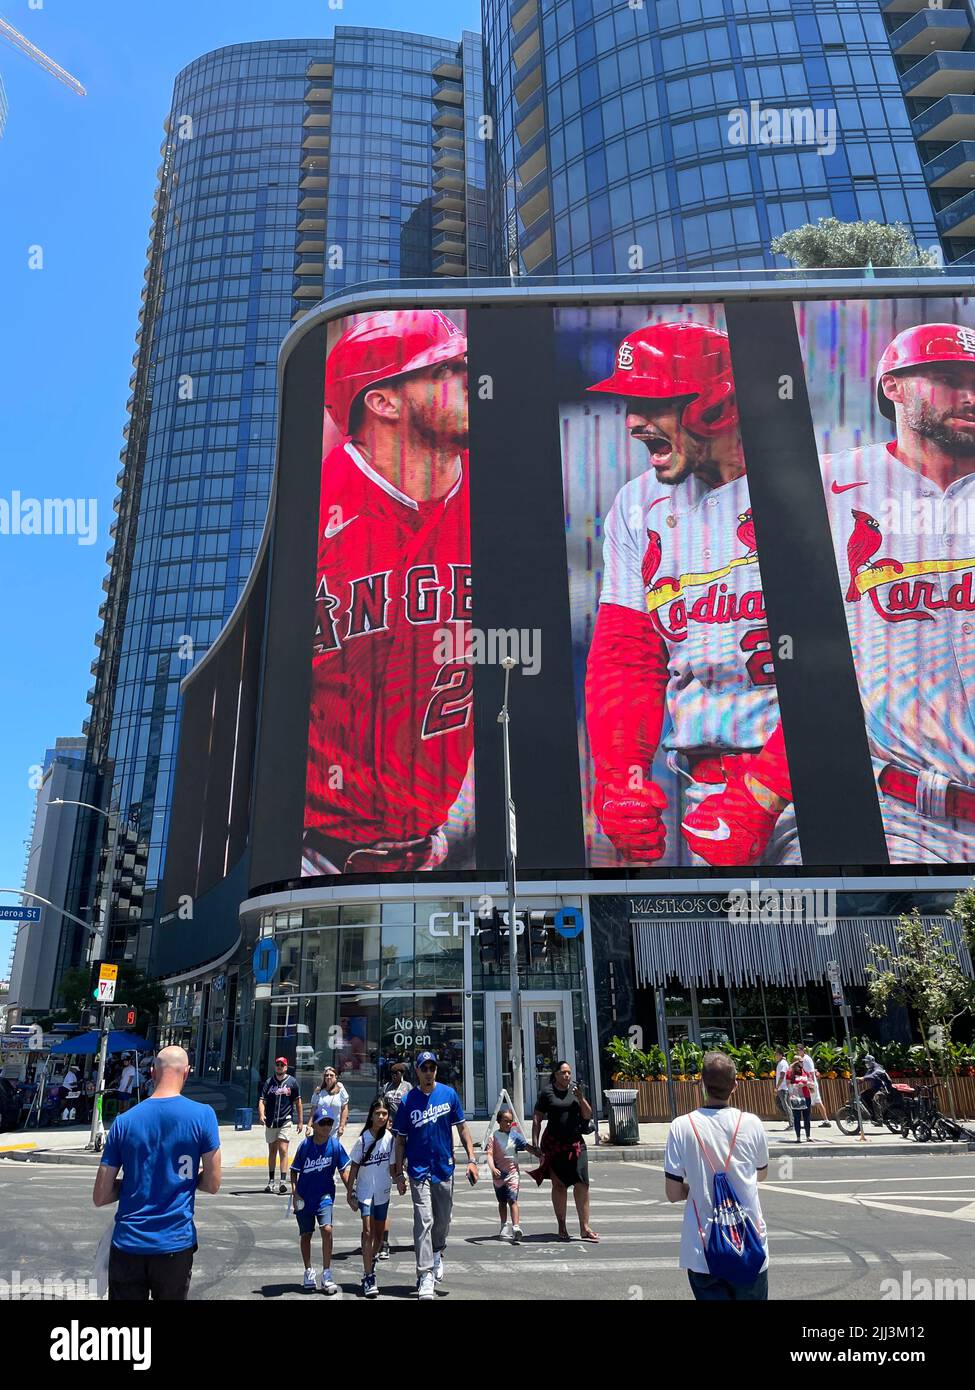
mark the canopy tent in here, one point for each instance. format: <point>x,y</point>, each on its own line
<point>87,1044</point>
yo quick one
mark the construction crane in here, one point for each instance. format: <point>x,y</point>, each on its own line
<point>19,40</point>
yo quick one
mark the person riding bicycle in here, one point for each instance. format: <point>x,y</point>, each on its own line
<point>875,1080</point>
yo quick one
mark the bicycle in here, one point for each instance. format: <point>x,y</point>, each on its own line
<point>846,1117</point>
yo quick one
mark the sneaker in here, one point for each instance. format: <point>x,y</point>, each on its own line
<point>329,1285</point>
<point>384,1252</point>
<point>506,1231</point>
<point>516,1234</point>
<point>270,1187</point>
<point>308,1283</point>
<point>824,1124</point>
<point>369,1286</point>
<point>439,1273</point>
<point>425,1285</point>
<point>282,1188</point>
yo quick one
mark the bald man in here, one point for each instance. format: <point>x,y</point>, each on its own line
<point>167,1147</point>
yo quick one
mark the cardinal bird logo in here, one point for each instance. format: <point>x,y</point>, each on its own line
<point>651,558</point>
<point>865,540</point>
<point>746,531</point>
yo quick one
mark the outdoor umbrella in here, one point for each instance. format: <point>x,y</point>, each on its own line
<point>86,1044</point>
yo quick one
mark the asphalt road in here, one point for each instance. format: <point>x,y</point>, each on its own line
<point>839,1228</point>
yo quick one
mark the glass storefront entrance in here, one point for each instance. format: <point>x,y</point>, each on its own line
<point>548,1037</point>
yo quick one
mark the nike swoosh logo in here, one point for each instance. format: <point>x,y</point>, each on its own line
<point>723,831</point>
<point>332,530</point>
<point>845,487</point>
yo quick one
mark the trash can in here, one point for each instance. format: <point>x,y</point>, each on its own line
<point>244,1118</point>
<point>624,1128</point>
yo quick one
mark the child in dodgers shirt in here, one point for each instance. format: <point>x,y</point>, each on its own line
<point>313,1192</point>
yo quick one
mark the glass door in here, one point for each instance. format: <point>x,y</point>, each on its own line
<point>547,1034</point>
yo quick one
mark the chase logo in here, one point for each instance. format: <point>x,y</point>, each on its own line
<point>624,357</point>
<point>568,922</point>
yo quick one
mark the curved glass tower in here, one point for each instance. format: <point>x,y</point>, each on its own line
<point>686,134</point>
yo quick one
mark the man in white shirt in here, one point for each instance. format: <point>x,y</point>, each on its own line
<point>688,1176</point>
<point>782,1086</point>
<point>126,1083</point>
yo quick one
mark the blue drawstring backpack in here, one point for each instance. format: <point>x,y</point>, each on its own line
<point>733,1249</point>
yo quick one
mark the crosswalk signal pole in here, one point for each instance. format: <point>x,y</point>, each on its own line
<point>97,1136</point>
<point>511,851</point>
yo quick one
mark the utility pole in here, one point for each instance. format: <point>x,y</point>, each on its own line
<point>97,1136</point>
<point>511,854</point>
<point>839,999</point>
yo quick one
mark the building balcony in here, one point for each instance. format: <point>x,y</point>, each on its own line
<point>447,139</point>
<point>955,168</point>
<point>447,118</point>
<point>450,244</point>
<point>310,247</point>
<point>311,224</point>
<point>521,12</point>
<point>451,92</point>
<point>533,199</point>
<point>940,29</point>
<point>309,289</point>
<point>940,75</point>
<point>310,270</point>
<point>315,161</point>
<point>311,182</point>
<point>449,265</point>
<point>317,120</point>
<point>316,142</point>
<point>958,218</point>
<point>90,696</point>
<point>317,92</point>
<point>449,178</point>
<point>450,159</point>
<point>449,222</point>
<point>325,68</point>
<point>949,119</point>
<point>313,202</point>
<point>529,118</point>
<point>529,79</point>
<point>527,44</point>
<point>449,70</point>
<point>448,200</point>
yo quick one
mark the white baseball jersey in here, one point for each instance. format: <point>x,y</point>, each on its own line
<point>907,571</point>
<point>686,555</point>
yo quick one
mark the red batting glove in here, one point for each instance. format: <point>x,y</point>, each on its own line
<point>631,819</point>
<point>729,827</point>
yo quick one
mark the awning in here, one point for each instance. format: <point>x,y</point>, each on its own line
<point>712,951</point>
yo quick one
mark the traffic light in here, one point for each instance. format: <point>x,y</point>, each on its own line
<point>128,1016</point>
<point>538,933</point>
<point>489,938</point>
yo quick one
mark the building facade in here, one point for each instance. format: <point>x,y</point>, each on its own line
<point>256,136</point>
<point>635,138</point>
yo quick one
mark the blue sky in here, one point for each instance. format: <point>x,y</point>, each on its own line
<point>77,177</point>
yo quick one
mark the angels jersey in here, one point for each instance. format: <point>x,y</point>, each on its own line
<point>391,729</point>
<point>905,553</point>
<point>686,557</point>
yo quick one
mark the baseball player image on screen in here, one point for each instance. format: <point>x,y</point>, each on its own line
<point>391,726</point>
<point>902,516</point>
<point>681,628</point>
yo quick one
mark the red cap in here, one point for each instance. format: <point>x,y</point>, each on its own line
<point>920,347</point>
<point>284,1060</point>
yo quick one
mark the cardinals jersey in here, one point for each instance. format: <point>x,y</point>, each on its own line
<point>906,559</point>
<point>391,729</point>
<point>686,557</point>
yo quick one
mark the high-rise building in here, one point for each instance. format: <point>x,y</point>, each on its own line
<point>673,136</point>
<point>34,950</point>
<point>275,154</point>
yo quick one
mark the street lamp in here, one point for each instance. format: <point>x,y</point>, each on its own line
<point>511,852</point>
<point>98,935</point>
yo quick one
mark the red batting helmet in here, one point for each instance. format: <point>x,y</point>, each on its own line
<point>921,346</point>
<point>665,360</point>
<point>384,346</point>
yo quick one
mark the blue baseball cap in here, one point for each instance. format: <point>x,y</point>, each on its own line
<point>322,1116</point>
<point>425,1057</point>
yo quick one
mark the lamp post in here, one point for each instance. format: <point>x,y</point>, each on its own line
<point>511,853</point>
<point>97,943</point>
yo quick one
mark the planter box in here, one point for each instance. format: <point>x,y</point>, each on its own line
<point>758,1097</point>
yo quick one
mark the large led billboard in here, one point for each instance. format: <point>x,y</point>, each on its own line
<point>730,541</point>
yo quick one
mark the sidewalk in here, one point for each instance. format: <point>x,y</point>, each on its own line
<point>246,1149</point>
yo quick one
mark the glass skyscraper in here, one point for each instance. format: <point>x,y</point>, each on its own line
<point>616,128</point>
<point>274,152</point>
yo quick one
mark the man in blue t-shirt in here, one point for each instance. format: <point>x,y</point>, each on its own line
<point>159,1146</point>
<point>313,1193</point>
<point>424,1135</point>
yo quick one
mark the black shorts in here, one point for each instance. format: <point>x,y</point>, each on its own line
<point>135,1277</point>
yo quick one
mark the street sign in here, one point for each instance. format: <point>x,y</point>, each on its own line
<point>265,960</point>
<point>833,975</point>
<point>104,991</point>
<point>20,914</point>
<point>512,830</point>
<point>568,922</point>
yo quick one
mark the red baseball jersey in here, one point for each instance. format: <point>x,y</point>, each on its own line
<point>391,728</point>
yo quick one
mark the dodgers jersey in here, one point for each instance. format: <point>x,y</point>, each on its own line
<point>685,555</point>
<point>391,729</point>
<point>907,571</point>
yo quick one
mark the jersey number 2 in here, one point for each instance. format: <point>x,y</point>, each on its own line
<point>450,704</point>
<point>759,665</point>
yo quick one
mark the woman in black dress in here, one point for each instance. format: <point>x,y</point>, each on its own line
<point>564,1159</point>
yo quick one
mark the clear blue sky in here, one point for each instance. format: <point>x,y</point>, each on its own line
<point>77,177</point>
